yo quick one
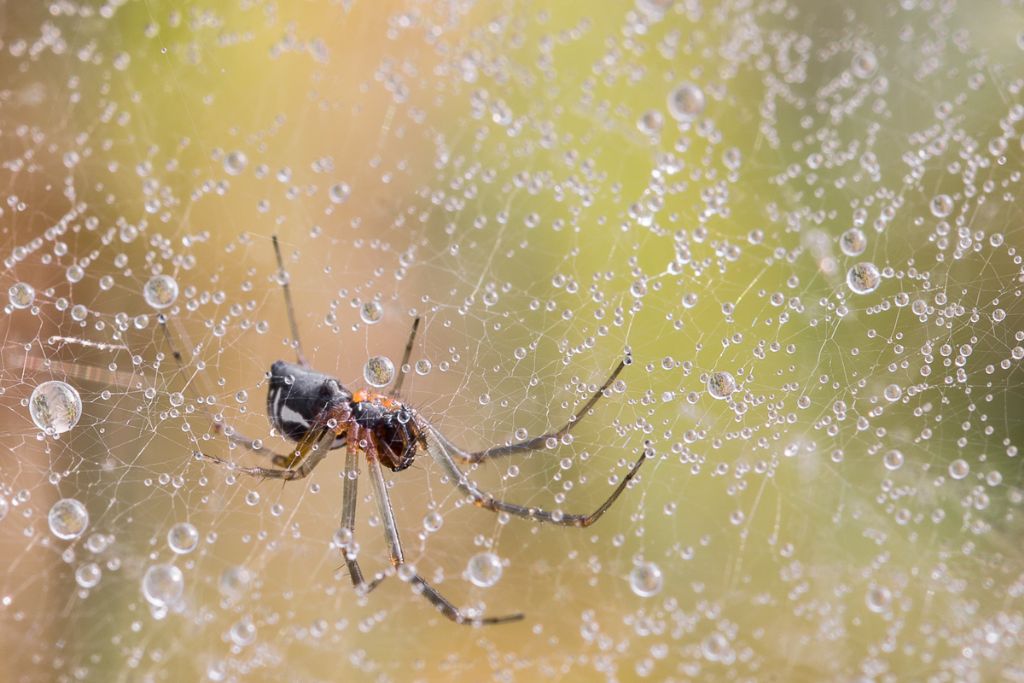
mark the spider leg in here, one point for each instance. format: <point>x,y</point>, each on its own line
<point>394,543</point>
<point>218,424</point>
<point>283,276</point>
<point>405,358</point>
<point>438,451</point>
<point>349,499</point>
<point>310,452</point>
<point>536,443</point>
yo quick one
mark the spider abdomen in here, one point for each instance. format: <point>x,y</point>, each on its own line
<point>299,398</point>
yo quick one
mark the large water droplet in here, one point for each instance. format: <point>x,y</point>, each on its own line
<point>721,384</point>
<point>160,291</point>
<point>21,295</point>
<point>55,407</point>
<point>163,584</point>
<point>183,538</point>
<point>484,569</point>
<point>686,102</point>
<point>863,278</point>
<point>68,519</point>
<point>379,371</point>
<point>646,579</point>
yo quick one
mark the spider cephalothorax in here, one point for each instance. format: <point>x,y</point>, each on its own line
<point>318,413</point>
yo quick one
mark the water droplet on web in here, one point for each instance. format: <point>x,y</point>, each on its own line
<point>715,647</point>
<point>484,570</point>
<point>339,192</point>
<point>243,632</point>
<point>892,460</point>
<point>55,407</point>
<point>853,242</point>
<point>941,205</point>
<point>863,278</point>
<point>721,384</point>
<point>864,64</point>
<point>379,371</point>
<point>235,162</point>
<point>650,122</point>
<point>88,575</point>
<point>423,367</point>
<point>646,579</point>
<point>432,521</point>
<point>182,538</point>
<point>371,312</point>
<point>878,599</point>
<point>160,291</point>
<point>163,585</point>
<point>686,102</point>
<point>892,392</point>
<point>958,469</point>
<point>21,295</point>
<point>68,519</point>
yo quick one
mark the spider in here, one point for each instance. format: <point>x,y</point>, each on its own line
<point>319,414</point>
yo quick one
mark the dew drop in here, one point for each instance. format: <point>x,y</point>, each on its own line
<point>68,519</point>
<point>162,585</point>
<point>686,102</point>
<point>958,469</point>
<point>646,579</point>
<point>878,599</point>
<point>339,192</point>
<point>88,575</point>
<point>893,460</point>
<point>235,162</point>
<point>160,291</point>
<point>941,205</point>
<point>21,295</point>
<point>484,570</point>
<point>863,278</point>
<point>55,407</point>
<point>371,313</point>
<point>182,538</point>
<point>721,384</point>
<point>379,371</point>
<point>853,242</point>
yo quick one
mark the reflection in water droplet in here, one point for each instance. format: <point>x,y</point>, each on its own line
<point>161,291</point>
<point>958,469</point>
<point>68,519</point>
<point>379,371</point>
<point>235,162</point>
<point>182,538</point>
<point>55,407</point>
<point>163,584</point>
<point>721,384</point>
<point>646,579</point>
<point>686,102</point>
<point>863,278</point>
<point>484,570</point>
<point>853,242</point>
<point>21,295</point>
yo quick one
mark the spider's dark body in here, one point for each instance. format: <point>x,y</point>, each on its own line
<point>319,414</point>
<point>301,400</point>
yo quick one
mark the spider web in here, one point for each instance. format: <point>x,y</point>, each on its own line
<point>799,219</point>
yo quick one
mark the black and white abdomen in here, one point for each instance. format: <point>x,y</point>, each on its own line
<point>297,397</point>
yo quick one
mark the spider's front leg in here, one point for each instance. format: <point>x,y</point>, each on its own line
<point>310,453</point>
